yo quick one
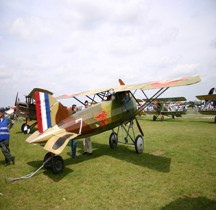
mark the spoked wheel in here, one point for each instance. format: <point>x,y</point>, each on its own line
<point>154,118</point>
<point>113,140</point>
<point>26,129</point>
<point>48,164</point>
<point>139,144</point>
<point>57,164</point>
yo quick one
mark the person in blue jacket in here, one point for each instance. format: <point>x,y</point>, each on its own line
<point>5,125</point>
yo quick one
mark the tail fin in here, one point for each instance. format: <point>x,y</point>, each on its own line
<point>49,111</point>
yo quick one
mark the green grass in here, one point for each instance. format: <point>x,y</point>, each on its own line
<point>176,171</point>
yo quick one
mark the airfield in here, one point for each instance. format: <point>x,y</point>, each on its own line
<point>176,171</point>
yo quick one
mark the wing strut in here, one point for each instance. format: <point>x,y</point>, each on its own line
<point>155,96</point>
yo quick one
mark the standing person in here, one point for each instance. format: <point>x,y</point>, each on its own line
<point>87,141</point>
<point>5,125</point>
<point>73,142</point>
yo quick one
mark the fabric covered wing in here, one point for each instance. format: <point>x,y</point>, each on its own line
<point>207,97</point>
<point>85,93</point>
<point>144,86</point>
<point>160,84</point>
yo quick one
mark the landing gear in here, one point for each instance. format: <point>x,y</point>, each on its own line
<point>162,118</point>
<point>128,133</point>
<point>139,144</point>
<point>46,157</point>
<point>26,129</point>
<point>56,163</point>
<point>154,118</point>
<point>113,140</point>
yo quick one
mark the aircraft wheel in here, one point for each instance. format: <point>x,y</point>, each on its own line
<point>154,118</point>
<point>48,164</point>
<point>26,129</point>
<point>139,144</point>
<point>113,140</point>
<point>22,127</point>
<point>162,118</point>
<point>57,164</point>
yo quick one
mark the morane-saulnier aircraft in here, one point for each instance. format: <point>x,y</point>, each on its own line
<point>116,108</point>
<point>209,106</point>
<point>171,106</point>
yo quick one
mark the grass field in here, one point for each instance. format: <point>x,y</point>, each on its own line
<point>176,171</point>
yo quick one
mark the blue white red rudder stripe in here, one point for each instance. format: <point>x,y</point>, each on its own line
<point>43,111</point>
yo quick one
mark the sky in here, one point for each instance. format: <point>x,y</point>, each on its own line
<point>69,46</point>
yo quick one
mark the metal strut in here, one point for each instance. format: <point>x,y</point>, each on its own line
<point>28,175</point>
<point>126,133</point>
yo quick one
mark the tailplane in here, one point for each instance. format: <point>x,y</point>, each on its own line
<point>49,111</point>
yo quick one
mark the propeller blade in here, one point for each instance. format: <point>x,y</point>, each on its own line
<point>16,99</point>
<point>139,127</point>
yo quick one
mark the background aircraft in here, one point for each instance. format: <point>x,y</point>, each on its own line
<point>114,107</point>
<point>27,109</point>
<point>209,106</point>
<point>10,112</point>
<point>171,106</point>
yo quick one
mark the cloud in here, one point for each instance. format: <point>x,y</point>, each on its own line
<point>161,38</point>
<point>167,61</point>
<point>213,43</point>
<point>5,75</point>
<point>29,28</point>
<point>185,69</point>
<point>76,45</point>
<point>88,15</point>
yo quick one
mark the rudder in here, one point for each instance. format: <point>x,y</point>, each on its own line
<point>49,111</point>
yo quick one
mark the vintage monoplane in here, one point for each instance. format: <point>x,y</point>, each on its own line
<point>27,109</point>
<point>209,106</point>
<point>116,108</point>
<point>171,106</point>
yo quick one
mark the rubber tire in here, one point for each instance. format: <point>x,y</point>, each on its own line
<point>57,164</point>
<point>139,144</point>
<point>48,164</point>
<point>113,140</point>
<point>22,127</point>
<point>154,118</point>
<point>26,129</point>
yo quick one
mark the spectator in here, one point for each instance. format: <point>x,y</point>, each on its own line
<point>87,141</point>
<point>5,125</point>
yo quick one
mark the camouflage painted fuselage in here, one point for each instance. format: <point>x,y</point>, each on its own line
<point>102,116</point>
